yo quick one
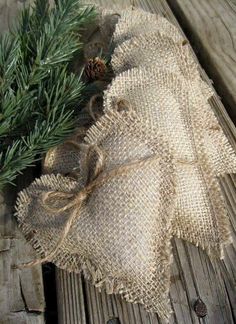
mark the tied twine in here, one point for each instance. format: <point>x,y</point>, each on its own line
<point>97,179</point>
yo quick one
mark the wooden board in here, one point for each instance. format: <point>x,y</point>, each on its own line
<point>211,27</point>
<point>193,274</point>
<point>9,9</point>
<point>21,291</point>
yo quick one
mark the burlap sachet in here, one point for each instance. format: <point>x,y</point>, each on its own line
<point>169,103</point>
<point>146,31</point>
<point>156,51</point>
<point>159,97</point>
<point>120,236</point>
<point>141,47</point>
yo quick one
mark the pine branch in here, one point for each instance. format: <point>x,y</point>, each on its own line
<point>38,95</point>
<point>15,111</point>
<point>23,152</point>
<point>9,59</point>
<point>53,37</point>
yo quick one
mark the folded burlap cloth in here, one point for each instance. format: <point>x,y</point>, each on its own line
<point>145,172</point>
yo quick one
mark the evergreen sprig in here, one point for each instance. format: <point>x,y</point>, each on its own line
<point>38,94</point>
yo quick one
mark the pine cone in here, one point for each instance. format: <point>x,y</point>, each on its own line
<point>95,69</point>
<point>200,308</point>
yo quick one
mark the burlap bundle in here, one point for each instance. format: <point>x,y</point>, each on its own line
<point>139,176</point>
<point>165,101</point>
<point>121,234</point>
<point>165,47</point>
<point>159,97</point>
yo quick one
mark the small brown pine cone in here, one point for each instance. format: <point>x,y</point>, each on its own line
<point>200,308</point>
<point>95,69</point>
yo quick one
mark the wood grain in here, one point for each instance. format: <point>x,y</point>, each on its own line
<point>9,10</point>
<point>211,28</point>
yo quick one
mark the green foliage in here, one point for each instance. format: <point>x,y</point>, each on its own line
<point>38,94</point>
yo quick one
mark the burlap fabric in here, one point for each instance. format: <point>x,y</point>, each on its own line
<point>121,239</point>
<point>120,235</point>
<point>153,49</point>
<point>134,22</point>
<point>156,50</point>
<point>64,159</point>
<point>166,101</point>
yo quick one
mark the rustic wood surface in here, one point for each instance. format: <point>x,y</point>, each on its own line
<point>211,27</point>
<point>193,274</point>
<point>21,291</point>
<point>9,9</point>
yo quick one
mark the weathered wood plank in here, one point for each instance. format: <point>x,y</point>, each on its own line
<point>71,288</point>
<point>193,274</point>
<point>21,291</point>
<point>9,9</point>
<point>211,28</point>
